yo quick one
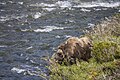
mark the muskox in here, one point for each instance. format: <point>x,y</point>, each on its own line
<point>73,49</point>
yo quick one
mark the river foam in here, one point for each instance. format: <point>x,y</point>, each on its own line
<point>48,29</point>
<point>68,4</point>
<point>44,29</point>
<point>97,4</point>
<point>18,70</point>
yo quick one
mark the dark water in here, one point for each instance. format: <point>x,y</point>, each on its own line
<point>32,29</point>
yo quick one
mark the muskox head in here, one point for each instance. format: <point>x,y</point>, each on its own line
<point>59,55</point>
<point>73,48</point>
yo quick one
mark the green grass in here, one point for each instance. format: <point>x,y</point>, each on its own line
<point>105,61</point>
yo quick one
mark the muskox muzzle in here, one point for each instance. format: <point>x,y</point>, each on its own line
<point>58,56</point>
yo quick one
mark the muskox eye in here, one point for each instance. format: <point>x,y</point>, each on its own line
<point>59,54</point>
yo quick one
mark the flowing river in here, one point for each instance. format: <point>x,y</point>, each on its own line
<point>32,29</point>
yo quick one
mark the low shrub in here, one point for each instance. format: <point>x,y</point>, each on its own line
<point>105,51</point>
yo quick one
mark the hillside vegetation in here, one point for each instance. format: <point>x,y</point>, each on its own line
<point>105,61</point>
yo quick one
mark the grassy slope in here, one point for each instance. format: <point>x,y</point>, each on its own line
<point>105,61</point>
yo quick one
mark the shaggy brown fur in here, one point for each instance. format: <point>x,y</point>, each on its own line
<point>73,48</point>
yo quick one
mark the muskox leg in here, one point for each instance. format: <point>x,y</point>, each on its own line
<point>72,61</point>
<point>69,60</point>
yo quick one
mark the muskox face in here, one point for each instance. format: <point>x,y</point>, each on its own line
<point>65,53</point>
<point>58,56</point>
